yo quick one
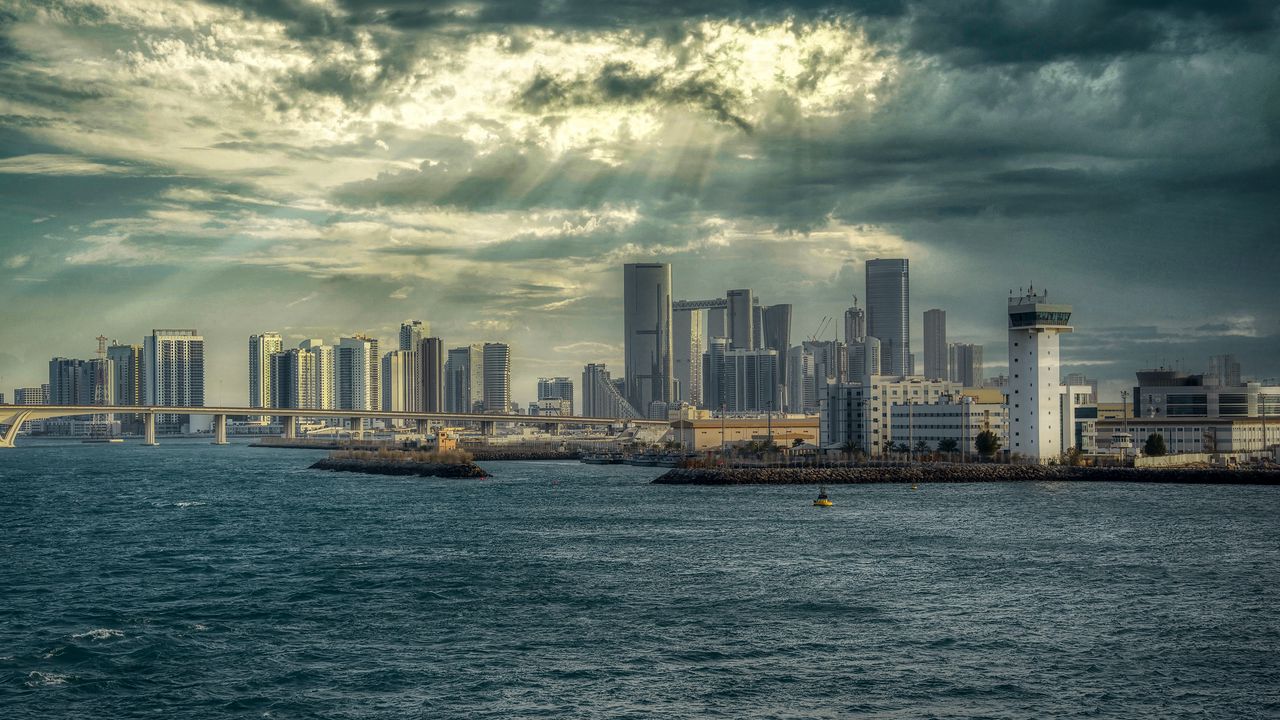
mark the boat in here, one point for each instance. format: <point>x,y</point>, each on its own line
<point>602,459</point>
<point>103,440</point>
<point>822,500</point>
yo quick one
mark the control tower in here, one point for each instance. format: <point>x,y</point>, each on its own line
<point>1035,422</point>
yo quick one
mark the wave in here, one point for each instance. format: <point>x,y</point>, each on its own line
<point>188,503</point>
<point>36,678</point>
<point>99,634</point>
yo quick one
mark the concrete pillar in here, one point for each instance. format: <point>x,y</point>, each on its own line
<point>149,429</point>
<point>357,428</point>
<point>488,427</point>
<point>219,429</point>
<point>290,424</point>
<point>424,427</point>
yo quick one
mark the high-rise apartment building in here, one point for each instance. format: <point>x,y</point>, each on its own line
<point>966,364</point>
<point>31,395</point>
<point>355,382</point>
<point>740,319</point>
<point>326,392</point>
<point>292,379</point>
<point>173,374</point>
<point>401,381</point>
<point>688,331</point>
<point>557,388</point>
<point>713,373</point>
<point>67,382</point>
<point>935,345</point>
<point>801,389</point>
<point>497,378</point>
<point>464,380</point>
<point>775,325</point>
<point>411,334</point>
<point>889,312</point>
<point>1035,422</point>
<point>261,348</point>
<point>431,358</point>
<point>128,363</point>
<point>647,344</point>
<point>600,395</point>
<point>864,358</point>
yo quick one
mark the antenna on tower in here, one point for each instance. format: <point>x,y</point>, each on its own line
<point>102,346</point>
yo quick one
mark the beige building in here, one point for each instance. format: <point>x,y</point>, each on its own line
<point>709,434</point>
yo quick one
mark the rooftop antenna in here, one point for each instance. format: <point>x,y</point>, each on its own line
<point>102,346</point>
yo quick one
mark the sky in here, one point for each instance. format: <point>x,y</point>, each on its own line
<point>332,167</point>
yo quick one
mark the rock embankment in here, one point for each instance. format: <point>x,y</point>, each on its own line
<point>402,467</point>
<point>959,473</point>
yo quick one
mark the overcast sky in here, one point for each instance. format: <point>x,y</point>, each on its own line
<point>323,168</point>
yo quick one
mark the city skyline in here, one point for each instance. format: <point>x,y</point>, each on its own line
<point>321,171</point>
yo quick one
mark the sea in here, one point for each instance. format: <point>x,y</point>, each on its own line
<point>194,581</point>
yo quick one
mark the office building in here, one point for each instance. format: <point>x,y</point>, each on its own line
<point>702,434</point>
<point>740,319</point>
<point>864,358</point>
<point>601,396</point>
<point>292,379</point>
<point>497,378</point>
<point>31,395</point>
<point>1168,393</point>
<point>431,357</point>
<point>401,381</point>
<point>411,334</point>
<point>965,361</point>
<point>855,323</point>
<point>464,380</point>
<point>67,382</point>
<point>326,393</point>
<point>550,407</point>
<point>687,332</point>
<point>957,419</point>
<point>751,381</point>
<point>830,363</point>
<point>1035,420</point>
<point>647,343</point>
<point>713,373</point>
<point>261,348</point>
<point>557,388</point>
<point>776,334</point>
<point>173,374</point>
<point>936,362</point>
<point>858,414</point>
<point>127,362</point>
<point>889,313</point>
<point>357,370</point>
<point>1078,379</point>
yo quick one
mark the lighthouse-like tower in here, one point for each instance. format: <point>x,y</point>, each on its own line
<point>1035,425</point>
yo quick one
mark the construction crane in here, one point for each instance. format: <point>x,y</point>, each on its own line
<point>822,328</point>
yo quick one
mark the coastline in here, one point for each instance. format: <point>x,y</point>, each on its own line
<point>960,473</point>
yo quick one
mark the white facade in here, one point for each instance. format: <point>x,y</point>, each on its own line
<point>1035,411</point>
<point>325,393</point>
<point>261,348</point>
<point>1204,435</point>
<point>174,374</point>
<point>751,381</point>
<point>401,381</point>
<point>861,412</point>
<point>961,421</point>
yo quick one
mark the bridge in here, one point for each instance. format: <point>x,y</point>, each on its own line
<point>14,415</point>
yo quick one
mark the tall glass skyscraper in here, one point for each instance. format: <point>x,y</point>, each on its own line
<point>935,345</point>
<point>647,347</point>
<point>497,378</point>
<point>889,313</point>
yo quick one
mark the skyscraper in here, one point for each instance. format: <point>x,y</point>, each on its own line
<point>431,390</point>
<point>556,388</point>
<point>751,380</point>
<point>261,348</point>
<point>776,336</point>
<point>292,379</point>
<point>1035,422</point>
<point>741,320</point>
<point>600,396</point>
<point>356,386</point>
<point>688,330</point>
<point>801,390</point>
<point>464,380</point>
<point>411,334</point>
<point>713,397</point>
<point>855,323</point>
<point>647,345</point>
<point>326,392</point>
<point>67,384</point>
<point>497,378</point>
<point>1226,370</point>
<point>127,361</point>
<point>174,374</point>
<point>935,345</point>
<point>889,312</point>
<point>966,364</point>
<point>864,358</point>
<point>401,381</point>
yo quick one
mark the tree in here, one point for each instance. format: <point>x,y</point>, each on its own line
<point>797,442</point>
<point>851,446</point>
<point>948,445</point>
<point>1155,445</point>
<point>922,446</point>
<point>1075,457</point>
<point>987,443</point>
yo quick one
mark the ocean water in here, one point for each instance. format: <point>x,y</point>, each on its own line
<point>192,581</point>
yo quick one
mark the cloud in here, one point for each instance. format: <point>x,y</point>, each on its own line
<point>54,164</point>
<point>15,262</point>
<point>400,293</point>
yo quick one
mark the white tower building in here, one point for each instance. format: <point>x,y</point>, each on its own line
<point>1035,422</point>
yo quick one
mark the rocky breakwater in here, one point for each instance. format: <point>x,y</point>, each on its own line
<point>958,473</point>
<point>403,462</point>
<point>522,452</point>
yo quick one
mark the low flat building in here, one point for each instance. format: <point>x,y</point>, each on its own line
<point>961,421</point>
<point>1190,435</point>
<point>711,433</point>
<point>859,413</point>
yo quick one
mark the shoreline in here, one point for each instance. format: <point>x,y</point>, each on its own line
<point>402,467</point>
<point>957,473</point>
